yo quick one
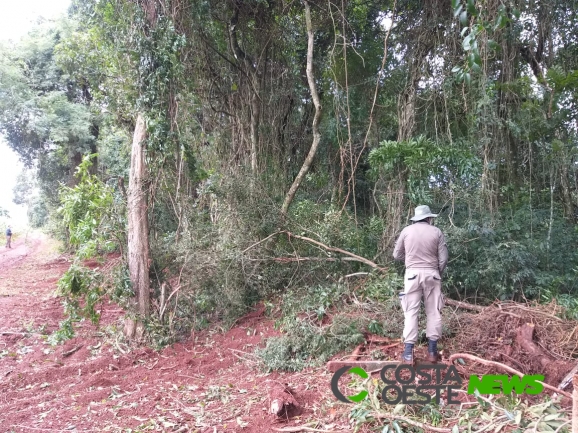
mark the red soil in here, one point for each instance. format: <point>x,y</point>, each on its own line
<point>209,383</point>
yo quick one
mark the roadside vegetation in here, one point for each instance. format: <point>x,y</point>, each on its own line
<point>216,156</point>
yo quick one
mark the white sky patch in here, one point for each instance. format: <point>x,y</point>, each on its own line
<point>18,17</point>
<point>10,167</point>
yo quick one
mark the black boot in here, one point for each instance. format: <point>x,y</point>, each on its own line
<point>432,351</point>
<point>407,356</point>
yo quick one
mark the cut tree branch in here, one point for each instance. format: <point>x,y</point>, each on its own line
<point>465,305</point>
<point>566,381</point>
<point>350,256</point>
<point>338,250</point>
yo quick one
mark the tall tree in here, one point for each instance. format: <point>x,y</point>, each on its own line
<point>316,118</point>
<point>138,231</point>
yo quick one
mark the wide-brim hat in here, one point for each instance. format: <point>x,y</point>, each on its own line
<point>423,212</point>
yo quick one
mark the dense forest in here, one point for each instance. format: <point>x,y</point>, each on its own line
<point>233,152</point>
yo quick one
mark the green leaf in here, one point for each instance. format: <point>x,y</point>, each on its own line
<point>468,78</point>
<point>458,10</point>
<point>492,44</point>
<point>464,18</point>
<point>467,44</point>
<point>471,8</point>
<point>455,429</point>
<point>456,69</point>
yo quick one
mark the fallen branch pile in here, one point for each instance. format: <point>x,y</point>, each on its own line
<point>533,337</point>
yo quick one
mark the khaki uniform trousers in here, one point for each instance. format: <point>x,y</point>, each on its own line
<point>418,284</point>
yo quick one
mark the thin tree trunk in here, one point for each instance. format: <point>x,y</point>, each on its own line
<point>138,233</point>
<point>316,102</point>
<point>406,115</point>
<point>566,194</point>
<point>255,118</point>
<point>255,85</point>
<point>406,100</point>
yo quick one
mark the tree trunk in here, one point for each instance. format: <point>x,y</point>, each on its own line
<point>138,240</point>
<point>255,85</point>
<point>255,118</point>
<point>406,100</point>
<point>315,96</point>
<point>566,191</point>
<point>406,114</point>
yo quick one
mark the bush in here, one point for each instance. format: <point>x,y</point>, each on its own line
<point>306,344</point>
<point>518,255</point>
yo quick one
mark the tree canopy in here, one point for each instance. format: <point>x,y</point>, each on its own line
<point>329,119</point>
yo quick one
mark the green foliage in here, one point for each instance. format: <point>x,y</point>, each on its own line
<point>425,166</point>
<point>81,283</point>
<point>488,95</point>
<point>319,321</point>
<point>305,344</point>
<point>40,110</point>
<point>86,209</point>
<point>508,412</point>
<point>524,254</point>
<point>82,289</point>
<point>477,25</point>
<point>88,212</point>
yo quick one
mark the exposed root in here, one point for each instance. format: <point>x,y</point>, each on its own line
<point>533,335</point>
<point>283,403</point>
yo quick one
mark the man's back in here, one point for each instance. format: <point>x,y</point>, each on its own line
<point>423,246</point>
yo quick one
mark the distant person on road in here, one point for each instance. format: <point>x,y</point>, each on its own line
<point>8,237</point>
<point>424,249</point>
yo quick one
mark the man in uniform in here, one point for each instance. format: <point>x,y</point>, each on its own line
<point>424,249</point>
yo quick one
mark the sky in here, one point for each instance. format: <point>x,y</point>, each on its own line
<point>17,18</point>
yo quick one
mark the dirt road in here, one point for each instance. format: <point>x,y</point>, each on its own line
<point>94,383</point>
<point>22,247</point>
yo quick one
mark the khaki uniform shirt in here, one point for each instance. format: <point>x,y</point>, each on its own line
<point>423,246</point>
